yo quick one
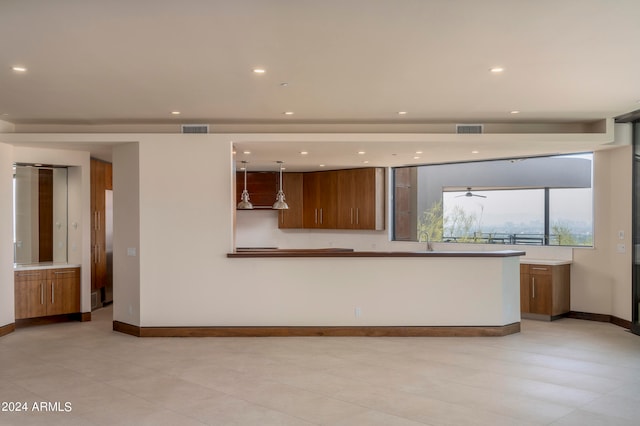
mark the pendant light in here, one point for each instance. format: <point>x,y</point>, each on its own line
<point>245,204</point>
<point>280,204</point>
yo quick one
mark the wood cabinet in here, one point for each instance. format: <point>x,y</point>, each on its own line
<point>46,292</point>
<point>361,199</point>
<point>336,199</point>
<point>320,200</point>
<point>101,173</point>
<point>262,187</point>
<point>544,291</point>
<point>292,187</point>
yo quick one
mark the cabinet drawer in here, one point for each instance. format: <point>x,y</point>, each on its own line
<point>21,276</point>
<point>540,269</point>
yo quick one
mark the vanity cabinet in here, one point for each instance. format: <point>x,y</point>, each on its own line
<point>44,292</point>
<point>544,291</point>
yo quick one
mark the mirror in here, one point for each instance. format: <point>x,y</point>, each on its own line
<point>40,214</point>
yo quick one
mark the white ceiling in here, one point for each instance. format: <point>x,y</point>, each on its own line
<point>345,62</point>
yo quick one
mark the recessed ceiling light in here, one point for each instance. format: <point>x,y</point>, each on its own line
<point>304,152</point>
<point>416,158</point>
<point>515,112</point>
<point>175,112</point>
<point>402,112</point>
<point>259,70</point>
<point>19,68</point>
<point>418,152</point>
<point>243,168</point>
<point>366,162</point>
<point>246,152</point>
<point>496,70</point>
<point>361,152</point>
<point>475,152</point>
<point>288,113</point>
<point>321,165</point>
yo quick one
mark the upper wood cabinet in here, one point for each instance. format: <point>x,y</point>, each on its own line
<point>320,200</point>
<point>335,199</point>
<point>361,199</point>
<point>262,187</point>
<point>292,187</point>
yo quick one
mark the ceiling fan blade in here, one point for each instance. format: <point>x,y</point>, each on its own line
<point>476,195</point>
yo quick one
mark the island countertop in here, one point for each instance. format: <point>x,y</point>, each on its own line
<point>346,252</point>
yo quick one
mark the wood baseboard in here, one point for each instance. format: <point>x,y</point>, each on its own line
<point>488,331</point>
<point>53,319</point>
<point>600,318</point>
<point>6,329</point>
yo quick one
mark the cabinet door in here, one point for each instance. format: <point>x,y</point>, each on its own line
<point>98,240</point>
<point>365,191</point>
<point>292,187</point>
<point>64,291</point>
<point>541,293</point>
<point>320,200</point>
<point>328,200</point>
<point>30,294</point>
<point>525,296</point>
<point>347,194</point>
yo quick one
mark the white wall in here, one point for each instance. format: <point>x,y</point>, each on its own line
<point>601,276</point>
<point>126,234</point>
<point>7,315</point>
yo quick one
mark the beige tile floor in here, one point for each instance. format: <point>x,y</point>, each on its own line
<point>569,372</point>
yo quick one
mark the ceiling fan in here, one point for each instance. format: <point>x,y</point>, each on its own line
<point>471,194</point>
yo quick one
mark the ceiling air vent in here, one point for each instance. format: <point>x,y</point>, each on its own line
<point>195,128</point>
<point>468,128</point>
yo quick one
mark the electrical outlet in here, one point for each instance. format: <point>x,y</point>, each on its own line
<point>620,248</point>
<point>357,312</point>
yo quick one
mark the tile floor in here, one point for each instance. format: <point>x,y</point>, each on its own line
<point>569,372</point>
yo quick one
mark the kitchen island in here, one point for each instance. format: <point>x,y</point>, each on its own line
<point>402,293</point>
<point>342,292</point>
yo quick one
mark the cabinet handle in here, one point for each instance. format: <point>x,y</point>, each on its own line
<point>358,216</point>
<point>321,221</point>
<point>539,269</point>
<point>64,272</point>
<point>533,280</point>
<point>95,220</point>
<point>315,216</point>
<point>21,274</point>
<point>99,214</point>
<point>53,299</point>
<point>351,214</point>
<point>42,293</point>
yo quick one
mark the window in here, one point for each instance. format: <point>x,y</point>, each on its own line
<point>541,201</point>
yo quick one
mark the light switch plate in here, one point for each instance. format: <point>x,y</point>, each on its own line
<point>621,235</point>
<point>131,251</point>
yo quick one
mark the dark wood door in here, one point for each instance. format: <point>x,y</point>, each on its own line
<point>540,293</point>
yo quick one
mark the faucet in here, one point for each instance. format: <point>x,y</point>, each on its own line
<point>429,245</point>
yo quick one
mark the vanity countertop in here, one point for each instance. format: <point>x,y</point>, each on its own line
<point>43,265</point>
<point>550,262</point>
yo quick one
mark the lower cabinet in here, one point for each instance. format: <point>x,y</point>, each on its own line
<point>544,291</point>
<point>44,292</point>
